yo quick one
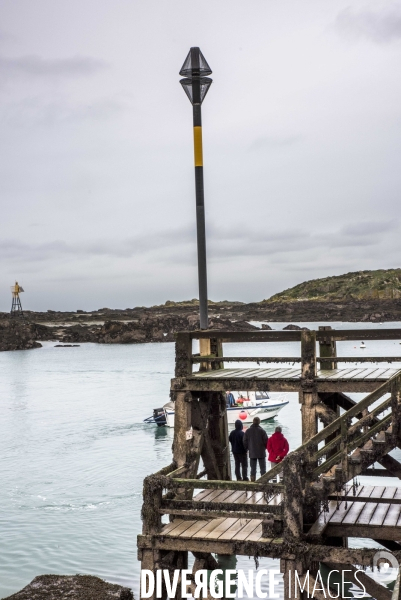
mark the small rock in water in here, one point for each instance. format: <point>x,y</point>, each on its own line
<point>266,326</point>
<point>292,327</point>
<point>75,587</point>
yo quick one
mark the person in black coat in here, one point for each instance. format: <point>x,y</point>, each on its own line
<point>237,446</point>
<point>255,440</point>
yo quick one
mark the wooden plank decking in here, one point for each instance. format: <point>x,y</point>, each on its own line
<point>366,518</point>
<point>375,373</point>
<point>352,379</point>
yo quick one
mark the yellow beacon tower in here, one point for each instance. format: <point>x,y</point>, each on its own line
<point>16,308</point>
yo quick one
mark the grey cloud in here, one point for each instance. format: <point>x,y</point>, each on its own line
<point>274,142</point>
<point>35,66</point>
<point>15,250</point>
<point>223,243</point>
<point>40,112</point>
<point>379,26</point>
<point>369,228</point>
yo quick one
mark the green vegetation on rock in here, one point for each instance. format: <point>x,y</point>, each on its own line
<point>362,285</point>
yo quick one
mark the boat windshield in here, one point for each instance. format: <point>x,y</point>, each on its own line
<point>261,395</point>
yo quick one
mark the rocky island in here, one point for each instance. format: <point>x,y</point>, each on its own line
<point>74,587</point>
<point>364,296</point>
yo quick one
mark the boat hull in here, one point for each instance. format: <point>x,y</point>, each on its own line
<point>265,412</point>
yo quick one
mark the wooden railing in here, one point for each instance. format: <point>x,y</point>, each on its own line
<point>165,494</point>
<point>212,357</point>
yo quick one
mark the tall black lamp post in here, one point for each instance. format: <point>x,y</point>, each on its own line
<point>196,86</point>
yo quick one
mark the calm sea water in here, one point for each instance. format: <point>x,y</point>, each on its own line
<point>74,451</point>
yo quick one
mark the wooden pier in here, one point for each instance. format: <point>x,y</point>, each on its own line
<point>305,520</point>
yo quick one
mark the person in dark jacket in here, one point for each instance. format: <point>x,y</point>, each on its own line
<point>237,446</point>
<point>255,440</point>
<point>230,400</point>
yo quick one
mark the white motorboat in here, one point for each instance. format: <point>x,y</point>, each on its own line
<point>247,406</point>
<point>362,345</point>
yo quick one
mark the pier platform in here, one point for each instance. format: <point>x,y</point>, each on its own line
<point>304,509</point>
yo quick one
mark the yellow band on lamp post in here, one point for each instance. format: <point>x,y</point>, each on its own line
<point>198,146</point>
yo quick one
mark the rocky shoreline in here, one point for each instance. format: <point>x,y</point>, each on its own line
<point>75,587</point>
<point>159,324</point>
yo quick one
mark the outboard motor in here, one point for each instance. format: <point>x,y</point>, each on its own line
<point>159,416</point>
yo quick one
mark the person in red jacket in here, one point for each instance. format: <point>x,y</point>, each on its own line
<point>277,447</point>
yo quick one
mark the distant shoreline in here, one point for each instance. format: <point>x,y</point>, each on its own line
<point>159,324</point>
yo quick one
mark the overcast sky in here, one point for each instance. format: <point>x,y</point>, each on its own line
<point>302,147</point>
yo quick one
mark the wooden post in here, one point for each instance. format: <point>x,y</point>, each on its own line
<point>182,427</point>
<point>293,497</point>
<point>343,448</point>
<point>183,354</point>
<point>396,409</point>
<point>211,347</point>
<point>148,559</point>
<point>327,347</point>
<point>216,451</point>
<point>152,524</point>
<point>288,567</point>
<point>225,445</point>
<point>216,349</point>
<point>204,350</point>
<point>308,355</point>
<point>308,396</point>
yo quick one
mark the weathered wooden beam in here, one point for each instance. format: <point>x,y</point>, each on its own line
<point>168,469</point>
<point>391,464</point>
<point>295,336</point>
<point>257,359</point>
<point>272,474</point>
<point>350,498</point>
<point>248,336</point>
<point>375,589</point>
<point>197,505</point>
<point>214,514</point>
<point>243,486</point>
<point>325,415</point>
<point>209,458</point>
<point>259,384</point>
<point>239,384</point>
<point>358,359</point>
<point>324,361</point>
<point>178,472</point>
<point>372,472</point>
<point>364,531</point>
<point>389,544</point>
<point>360,334</point>
<point>208,561</point>
<point>273,548</point>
